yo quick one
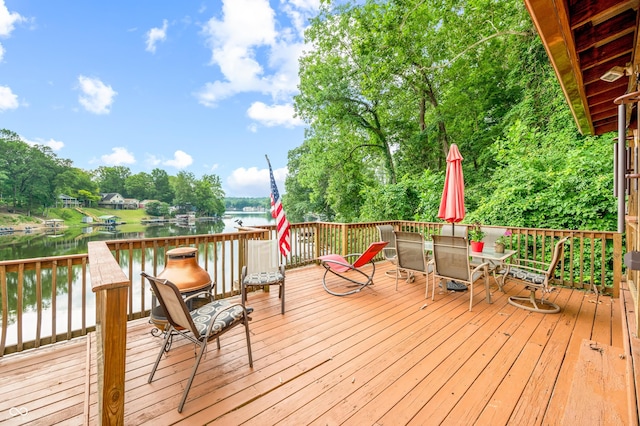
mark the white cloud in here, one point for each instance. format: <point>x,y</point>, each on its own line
<point>254,182</point>
<point>180,160</point>
<point>242,42</point>
<point>151,160</point>
<point>51,143</point>
<point>96,96</point>
<point>7,21</point>
<point>154,35</point>
<point>118,157</point>
<point>274,115</point>
<point>8,100</point>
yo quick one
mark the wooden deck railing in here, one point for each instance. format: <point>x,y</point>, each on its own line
<point>45,300</point>
<point>110,285</point>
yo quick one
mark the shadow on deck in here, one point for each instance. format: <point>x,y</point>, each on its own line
<point>376,357</point>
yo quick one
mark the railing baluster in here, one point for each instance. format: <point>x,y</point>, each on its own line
<point>54,304</point>
<point>20,296</point>
<point>38,273</point>
<point>4,303</point>
<point>69,298</point>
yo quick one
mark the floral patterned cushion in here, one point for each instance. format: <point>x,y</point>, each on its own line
<point>209,312</point>
<point>262,278</point>
<point>527,276</point>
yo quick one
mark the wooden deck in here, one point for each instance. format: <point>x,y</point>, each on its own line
<point>377,357</point>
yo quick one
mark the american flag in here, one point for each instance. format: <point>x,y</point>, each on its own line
<point>277,212</point>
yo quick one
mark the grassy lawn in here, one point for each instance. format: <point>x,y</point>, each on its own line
<point>71,217</point>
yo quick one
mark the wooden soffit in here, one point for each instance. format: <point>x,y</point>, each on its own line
<point>584,39</point>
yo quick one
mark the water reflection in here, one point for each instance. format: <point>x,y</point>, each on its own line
<point>74,240</point>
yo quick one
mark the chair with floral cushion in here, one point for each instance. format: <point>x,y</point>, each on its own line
<point>200,326</point>
<point>263,268</point>
<point>536,275</point>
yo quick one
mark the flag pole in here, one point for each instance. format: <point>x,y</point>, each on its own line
<point>282,225</point>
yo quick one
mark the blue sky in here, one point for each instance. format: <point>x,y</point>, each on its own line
<point>200,86</point>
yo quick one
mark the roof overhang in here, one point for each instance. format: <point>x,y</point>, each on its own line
<point>585,39</point>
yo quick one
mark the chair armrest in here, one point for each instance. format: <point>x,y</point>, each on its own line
<point>477,268</point>
<point>247,311</point>
<point>518,262</point>
<point>530,268</point>
<point>208,293</point>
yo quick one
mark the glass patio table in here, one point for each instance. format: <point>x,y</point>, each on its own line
<point>498,265</point>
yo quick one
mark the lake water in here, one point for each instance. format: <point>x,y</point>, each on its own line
<point>74,240</point>
<point>21,245</point>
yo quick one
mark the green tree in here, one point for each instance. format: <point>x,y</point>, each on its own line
<point>28,172</point>
<point>87,198</point>
<point>77,183</point>
<point>389,86</point>
<point>162,187</point>
<point>157,208</point>
<point>139,186</point>
<point>112,179</point>
<point>184,189</point>
<point>209,196</point>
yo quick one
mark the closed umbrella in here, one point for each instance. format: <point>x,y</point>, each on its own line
<point>452,202</point>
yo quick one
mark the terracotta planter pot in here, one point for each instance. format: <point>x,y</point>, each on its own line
<point>477,246</point>
<point>499,248</point>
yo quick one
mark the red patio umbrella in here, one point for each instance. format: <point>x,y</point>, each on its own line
<point>452,203</point>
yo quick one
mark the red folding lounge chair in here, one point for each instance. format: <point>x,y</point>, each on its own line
<point>340,266</point>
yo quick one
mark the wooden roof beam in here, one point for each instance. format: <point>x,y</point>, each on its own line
<point>597,11</point>
<point>590,35</point>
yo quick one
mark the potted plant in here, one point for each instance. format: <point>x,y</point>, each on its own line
<point>501,241</point>
<point>476,234</point>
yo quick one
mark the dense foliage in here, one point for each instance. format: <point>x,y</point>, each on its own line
<point>388,86</point>
<point>32,177</point>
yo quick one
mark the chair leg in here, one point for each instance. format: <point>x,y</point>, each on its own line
<point>530,303</point>
<point>246,330</point>
<point>193,374</point>
<point>282,298</point>
<point>167,337</point>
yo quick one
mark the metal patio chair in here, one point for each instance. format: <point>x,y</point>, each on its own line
<point>387,233</point>
<point>451,262</point>
<point>199,326</point>
<point>536,275</point>
<point>411,256</point>
<point>263,268</point>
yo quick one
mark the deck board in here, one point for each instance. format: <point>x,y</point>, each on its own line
<point>376,357</point>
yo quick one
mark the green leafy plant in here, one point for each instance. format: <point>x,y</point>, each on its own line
<point>476,233</point>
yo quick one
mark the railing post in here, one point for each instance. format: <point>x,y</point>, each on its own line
<point>111,286</point>
<point>345,239</point>
<point>617,264</point>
